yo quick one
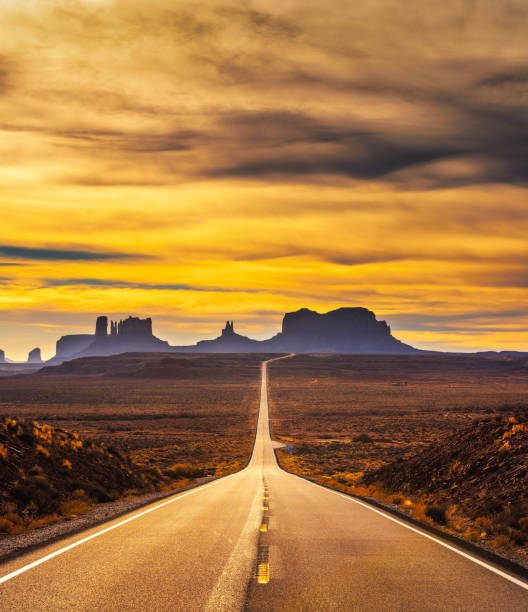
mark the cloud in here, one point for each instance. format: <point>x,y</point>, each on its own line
<point>45,254</point>
<point>118,284</point>
<point>261,93</point>
<point>473,320</point>
<point>372,153</point>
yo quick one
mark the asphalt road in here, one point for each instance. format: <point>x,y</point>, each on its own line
<point>260,539</point>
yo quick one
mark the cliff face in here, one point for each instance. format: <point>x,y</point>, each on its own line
<point>345,330</point>
<point>73,344</point>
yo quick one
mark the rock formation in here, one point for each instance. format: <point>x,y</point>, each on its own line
<point>34,356</point>
<point>229,330</point>
<point>345,330</point>
<point>129,335</point>
<point>70,345</point>
<point>101,328</point>
<point>228,342</point>
<point>2,356</point>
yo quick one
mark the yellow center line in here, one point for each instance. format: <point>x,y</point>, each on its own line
<point>263,573</point>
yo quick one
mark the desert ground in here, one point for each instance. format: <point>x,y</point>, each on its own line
<point>100,428</point>
<point>372,425</point>
<point>161,409</point>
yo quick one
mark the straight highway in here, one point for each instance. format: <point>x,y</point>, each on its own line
<point>260,539</point>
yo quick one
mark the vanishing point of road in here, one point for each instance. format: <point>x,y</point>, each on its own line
<point>260,539</point>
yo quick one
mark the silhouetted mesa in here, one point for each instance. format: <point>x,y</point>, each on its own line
<point>67,346</point>
<point>345,330</point>
<point>2,356</point>
<point>128,335</point>
<point>34,356</point>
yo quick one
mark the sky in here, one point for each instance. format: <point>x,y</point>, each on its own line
<point>195,162</point>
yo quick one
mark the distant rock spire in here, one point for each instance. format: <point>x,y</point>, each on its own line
<point>101,328</point>
<point>229,329</point>
<point>34,356</point>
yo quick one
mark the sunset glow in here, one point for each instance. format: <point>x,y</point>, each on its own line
<point>198,162</point>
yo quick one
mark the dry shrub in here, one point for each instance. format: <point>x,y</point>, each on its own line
<point>437,514</point>
<point>38,493</point>
<point>14,518</point>
<point>74,507</point>
<point>183,470</point>
<point>6,525</point>
<point>502,542</point>
<point>42,451</point>
<point>363,438</point>
<point>484,524</point>
<point>523,523</point>
<point>3,452</point>
<point>42,522</point>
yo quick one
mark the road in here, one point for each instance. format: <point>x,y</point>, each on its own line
<point>261,539</point>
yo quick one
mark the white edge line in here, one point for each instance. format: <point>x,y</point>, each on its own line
<point>177,497</point>
<point>491,568</point>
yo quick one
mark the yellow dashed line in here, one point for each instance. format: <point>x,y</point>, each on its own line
<point>263,573</point>
<point>264,527</point>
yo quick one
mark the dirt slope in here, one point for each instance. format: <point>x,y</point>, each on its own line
<point>480,471</point>
<point>49,472</point>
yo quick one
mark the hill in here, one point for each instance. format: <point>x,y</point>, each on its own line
<point>48,474</point>
<point>478,472</point>
<point>159,365</point>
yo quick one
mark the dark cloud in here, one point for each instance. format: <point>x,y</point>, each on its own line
<point>177,140</point>
<point>6,74</point>
<point>118,284</point>
<point>474,321</point>
<point>442,61</point>
<point>294,143</point>
<point>506,80</point>
<point>45,254</point>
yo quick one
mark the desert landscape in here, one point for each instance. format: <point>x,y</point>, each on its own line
<point>162,420</point>
<point>443,438</point>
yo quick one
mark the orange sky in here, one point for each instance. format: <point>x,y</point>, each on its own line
<point>197,162</point>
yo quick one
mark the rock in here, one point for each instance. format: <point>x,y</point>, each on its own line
<point>101,328</point>
<point>345,330</point>
<point>228,342</point>
<point>70,345</point>
<point>129,335</point>
<point>34,356</point>
<point>2,356</point>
